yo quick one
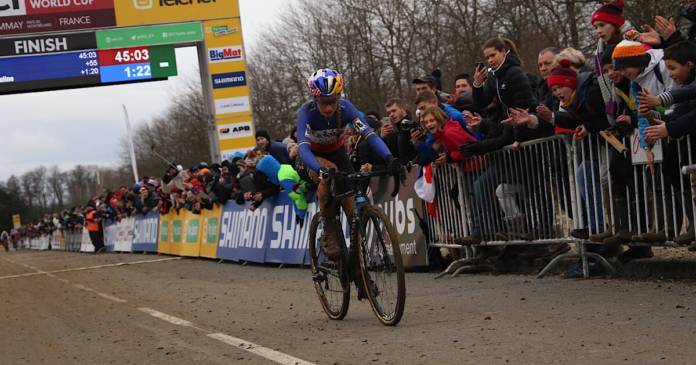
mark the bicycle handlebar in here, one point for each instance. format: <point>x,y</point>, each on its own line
<point>358,176</point>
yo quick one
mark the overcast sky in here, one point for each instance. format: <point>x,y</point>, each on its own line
<point>84,126</point>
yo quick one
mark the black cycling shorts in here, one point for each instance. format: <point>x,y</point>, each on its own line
<point>342,161</point>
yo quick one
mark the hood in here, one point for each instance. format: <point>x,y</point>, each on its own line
<point>656,55</point>
<point>510,61</point>
<point>269,166</point>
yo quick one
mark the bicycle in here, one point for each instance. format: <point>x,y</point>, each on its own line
<point>373,243</point>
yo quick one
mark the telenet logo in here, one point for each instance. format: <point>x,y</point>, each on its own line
<point>143,4</point>
<point>149,4</point>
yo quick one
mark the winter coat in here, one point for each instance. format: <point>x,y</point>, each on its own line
<point>682,120</point>
<point>279,151</point>
<point>451,137</point>
<point>286,177</point>
<point>587,109</point>
<point>655,77</point>
<point>223,190</point>
<point>509,87</point>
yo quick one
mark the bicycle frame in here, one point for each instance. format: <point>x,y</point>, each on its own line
<point>355,220</point>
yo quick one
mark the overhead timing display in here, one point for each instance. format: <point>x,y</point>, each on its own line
<point>86,68</point>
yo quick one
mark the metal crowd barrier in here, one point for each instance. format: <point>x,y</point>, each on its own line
<point>653,205</point>
<point>72,239</point>
<point>558,190</point>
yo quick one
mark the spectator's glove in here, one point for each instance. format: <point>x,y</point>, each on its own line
<point>472,149</point>
<point>395,168</point>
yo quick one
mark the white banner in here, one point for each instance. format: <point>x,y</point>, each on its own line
<point>56,243</point>
<point>124,239</point>
<point>86,242</point>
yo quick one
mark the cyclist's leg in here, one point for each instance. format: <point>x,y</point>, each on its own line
<point>330,243</point>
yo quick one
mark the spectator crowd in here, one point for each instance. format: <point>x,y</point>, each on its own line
<point>635,79</point>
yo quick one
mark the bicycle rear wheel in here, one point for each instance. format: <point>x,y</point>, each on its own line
<point>330,278</point>
<point>382,266</point>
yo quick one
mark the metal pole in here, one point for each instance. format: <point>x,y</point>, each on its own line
<point>215,156</point>
<point>131,148</point>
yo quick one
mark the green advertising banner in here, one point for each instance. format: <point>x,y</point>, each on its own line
<point>176,231</point>
<point>164,231</point>
<point>192,226</point>
<point>148,36</point>
<point>212,233</point>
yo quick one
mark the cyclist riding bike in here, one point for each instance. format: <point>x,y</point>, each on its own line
<point>321,124</point>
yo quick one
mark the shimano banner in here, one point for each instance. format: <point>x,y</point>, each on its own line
<point>146,232</point>
<point>268,234</point>
<point>271,235</point>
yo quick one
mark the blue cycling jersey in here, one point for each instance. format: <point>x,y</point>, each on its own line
<point>318,134</point>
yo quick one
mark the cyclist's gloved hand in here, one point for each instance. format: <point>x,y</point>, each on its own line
<point>395,168</point>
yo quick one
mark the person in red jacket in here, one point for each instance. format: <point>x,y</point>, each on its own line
<point>449,136</point>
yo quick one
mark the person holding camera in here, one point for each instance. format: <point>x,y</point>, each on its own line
<point>225,186</point>
<point>399,129</point>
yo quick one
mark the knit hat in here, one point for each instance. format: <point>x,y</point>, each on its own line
<point>630,54</point>
<point>563,75</point>
<point>611,13</point>
<point>263,133</point>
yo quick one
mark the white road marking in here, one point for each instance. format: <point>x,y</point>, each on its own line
<point>265,352</point>
<point>82,287</point>
<point>111,298</point>
<point>166,317</point>
<point>41,272</point>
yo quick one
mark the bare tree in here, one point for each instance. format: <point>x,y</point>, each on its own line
<point>180,135</point>
<point>56,183</point>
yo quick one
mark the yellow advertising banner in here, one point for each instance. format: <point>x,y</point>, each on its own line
<point>188,243</point>
<point>229,84</point>
<point>144,12</point>
<point>210,231</point>
<point>164,243</point>
<point>16,221</point>
<point>227,65</point>
<point>235,134</point>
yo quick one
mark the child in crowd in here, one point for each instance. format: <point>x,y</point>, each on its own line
<point>680,60</point>
<point>449,136</point>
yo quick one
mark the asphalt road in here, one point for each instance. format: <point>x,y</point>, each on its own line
<point>65,308</point>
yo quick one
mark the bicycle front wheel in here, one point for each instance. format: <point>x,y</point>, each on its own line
<point>382,266</point>
<point>330,278</point>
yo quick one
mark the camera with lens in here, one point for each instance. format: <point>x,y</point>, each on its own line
<point>407,125</point>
